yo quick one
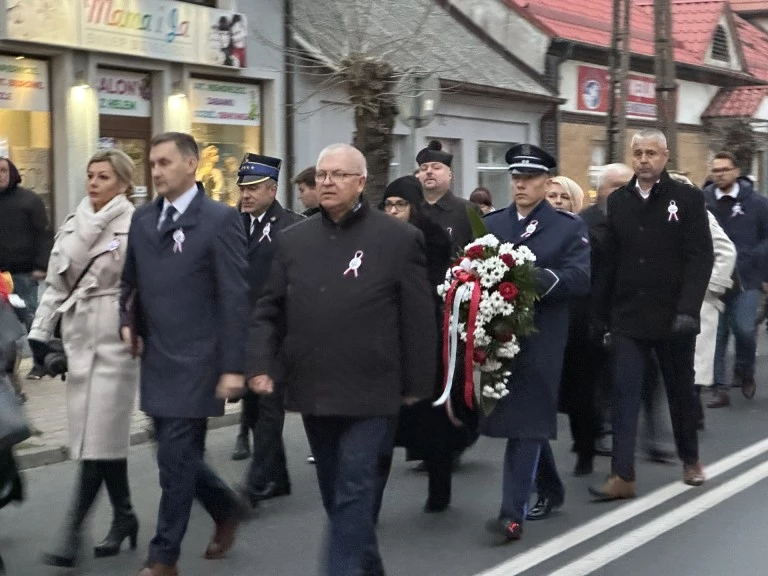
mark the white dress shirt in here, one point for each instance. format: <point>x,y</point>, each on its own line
<point>734,193</point>
<point>181,204</point>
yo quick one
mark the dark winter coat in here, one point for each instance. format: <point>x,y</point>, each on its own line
<point>26,237</point>
<point>194,303</point>
<point>560,243</point>
<point>261,247</point>
<point>745,221</point>
<point>353,344</point>
<point>655,266</point>
<point>450,212</point>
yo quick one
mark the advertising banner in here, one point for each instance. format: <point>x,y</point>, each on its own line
<point>124,93</point>
<point>594,86</point>
<point>214,102</point>
<point>23,84</point>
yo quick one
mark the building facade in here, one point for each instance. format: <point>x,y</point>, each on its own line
<point>79,75</point>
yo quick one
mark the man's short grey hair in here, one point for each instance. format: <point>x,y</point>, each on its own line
<point>653,133</point>
<point>611,169</point>
<point>354,152</point>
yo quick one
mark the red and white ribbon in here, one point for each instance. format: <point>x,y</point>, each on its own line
<point>178,240</point>
<point>355,263</point>
<point>672,211</point>
<point>530,229</point>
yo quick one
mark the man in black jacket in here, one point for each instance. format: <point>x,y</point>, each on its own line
<point>440,204</point>
<point>348,311</point>
<point>656,264</point>
<point>264,219</point>
<point>305,182</point>
<point>25,242</point>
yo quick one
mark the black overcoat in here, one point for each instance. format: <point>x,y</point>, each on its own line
<point>354,341</point>
<point>657,259</point>
<point>450,212</point>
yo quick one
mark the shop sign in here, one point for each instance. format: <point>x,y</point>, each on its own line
<point>23,84</point>
<point>163,29</point>
<point>594,86</point>
<point>124,93</point>
<point>216,102</point>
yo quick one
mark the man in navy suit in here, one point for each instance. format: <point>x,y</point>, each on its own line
<point>186,261</point>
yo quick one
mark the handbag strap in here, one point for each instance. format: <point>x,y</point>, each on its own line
<point>83,273</point>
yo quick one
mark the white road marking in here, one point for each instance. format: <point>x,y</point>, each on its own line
<point>644,534</point>
<point>560,544</point>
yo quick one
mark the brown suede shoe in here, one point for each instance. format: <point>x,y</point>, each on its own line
<point>159,570</point>
<point>693,474</point>
<point>720,399</point>
<point>223,538</point>
<point>615,488</point>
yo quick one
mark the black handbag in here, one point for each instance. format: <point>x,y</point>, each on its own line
<point>14,427</point>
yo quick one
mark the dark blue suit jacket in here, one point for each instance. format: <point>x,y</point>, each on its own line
<point>561,245</point>
<point>194,305</point>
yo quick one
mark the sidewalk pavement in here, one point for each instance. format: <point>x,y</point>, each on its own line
<point>47,412</point>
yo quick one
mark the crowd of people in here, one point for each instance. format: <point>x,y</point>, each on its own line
<point>334,314</point>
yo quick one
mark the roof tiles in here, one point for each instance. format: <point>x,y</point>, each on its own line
<point>742,102</point>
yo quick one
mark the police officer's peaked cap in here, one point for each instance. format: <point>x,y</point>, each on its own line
<point>434,153</point>
<point>256,168</point>
<point>529,159</point>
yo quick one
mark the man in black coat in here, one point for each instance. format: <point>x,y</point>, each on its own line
<point>348,311</point>
<point>186,262</point>
<point>440,204</point>
<point>26,240</point>
<point>655,268</point>
<point>264,218</point>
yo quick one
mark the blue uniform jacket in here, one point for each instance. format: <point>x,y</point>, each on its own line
<point>194,305</point>
<point>561,245</point>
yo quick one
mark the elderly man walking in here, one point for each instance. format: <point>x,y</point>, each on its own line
<point>348,311</point>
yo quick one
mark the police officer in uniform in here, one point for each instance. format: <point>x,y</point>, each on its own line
<point>440,204</point>
<point>527,418</point>
<point>264,218</point>
<point>658,258</point>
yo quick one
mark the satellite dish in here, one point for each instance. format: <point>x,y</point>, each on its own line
<point>418,96</point>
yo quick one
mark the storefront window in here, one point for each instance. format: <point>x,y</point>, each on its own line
<point>25,121</point>
<point>493,171</point>
<point>226,123</point>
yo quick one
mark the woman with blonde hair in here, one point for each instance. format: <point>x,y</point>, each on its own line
<point>81,298</point>
<point>565,194</point>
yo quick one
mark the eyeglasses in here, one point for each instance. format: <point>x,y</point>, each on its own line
<point>335,177</point>
<point>398,206</point>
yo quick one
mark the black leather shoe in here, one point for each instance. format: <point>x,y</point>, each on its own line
<point>242,450</point>
<point>543,507</point>
<point>583,467</point>
<point>748,387</point>
<point>505,527</point>
<point>603,446</point>
<point>271,490</point>
<point>434,507</point>
<point>660,456</point>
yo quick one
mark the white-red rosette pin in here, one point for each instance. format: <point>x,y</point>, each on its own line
<point>178,240</point>
<point>355,263</point>
<point>672,209</point>
<point>265,233</point>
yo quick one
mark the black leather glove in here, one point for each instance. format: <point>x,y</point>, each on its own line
<point>39,351</point>
<point>685,324</point>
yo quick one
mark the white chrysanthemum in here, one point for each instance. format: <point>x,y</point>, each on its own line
<point>523,253</point>
<point>490,365</point>
<point>509,349</point>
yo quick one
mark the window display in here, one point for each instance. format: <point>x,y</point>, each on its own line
<point>226,124</point>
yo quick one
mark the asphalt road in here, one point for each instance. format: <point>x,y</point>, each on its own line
<point>669,529</point>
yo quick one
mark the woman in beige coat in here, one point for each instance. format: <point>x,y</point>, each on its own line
<point>102,377</point>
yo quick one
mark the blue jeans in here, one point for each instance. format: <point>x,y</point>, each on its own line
<point>739,317</point>
<point>26,287</point>
<point>347,452</point>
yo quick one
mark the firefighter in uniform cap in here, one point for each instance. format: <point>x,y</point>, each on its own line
<point>528,417</point>
<point>263,218</point>
<point>440,204</point>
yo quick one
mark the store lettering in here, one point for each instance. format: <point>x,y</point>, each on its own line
<point>220,102</point>
<point>221,88</point>
<point>6,95</point>
<point>18,69</point>
<point>25,84</point>
<point>119,86</point>
<point>117,104</point>
<point>102,12</point>
<point>642,88</point>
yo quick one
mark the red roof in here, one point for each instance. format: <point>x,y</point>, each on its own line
<point>749,5</point>
<point>742,102</point>
<point>754,44</point>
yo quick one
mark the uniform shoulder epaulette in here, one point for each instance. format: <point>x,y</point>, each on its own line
<point>494,212</point>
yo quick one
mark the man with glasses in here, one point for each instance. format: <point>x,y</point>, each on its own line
<point>743,214</point>
<point>349,311</point>
<point>440,204</point>
<point>264,219</point>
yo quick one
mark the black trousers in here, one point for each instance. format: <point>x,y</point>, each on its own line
<point>184,477</point>
<point>548,483</point>
<point>675,356</point>
<point>266,417</point>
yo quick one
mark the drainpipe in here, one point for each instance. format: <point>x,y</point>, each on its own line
<point>288,55</point>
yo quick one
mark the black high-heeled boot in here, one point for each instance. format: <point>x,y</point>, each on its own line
<point>124,521</point>
<point>66,554</point>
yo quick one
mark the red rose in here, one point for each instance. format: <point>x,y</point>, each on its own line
<point>479,356</point>
<point>508,260</point>
<point>508,291</point>
<point>504,337</point>
<point>475,252</point>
